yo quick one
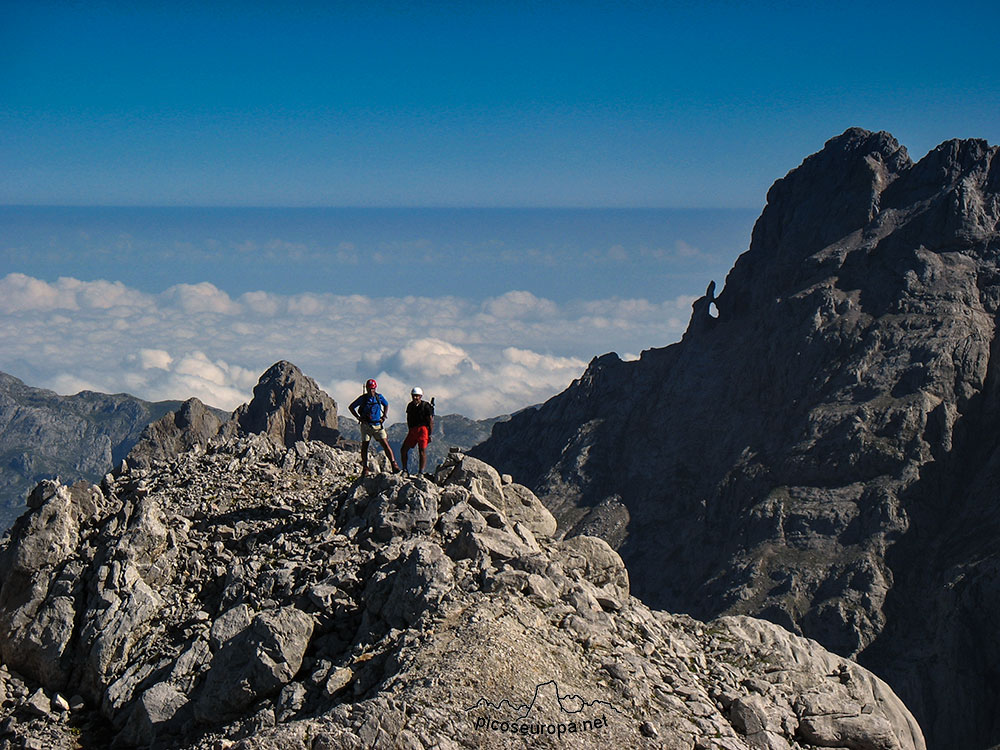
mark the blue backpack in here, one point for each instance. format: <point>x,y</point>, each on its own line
<point>371,409</point>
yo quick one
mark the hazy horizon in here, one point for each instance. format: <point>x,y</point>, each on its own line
<point>490,310</point>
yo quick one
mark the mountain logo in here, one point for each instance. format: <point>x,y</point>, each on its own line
<point>549,712</point>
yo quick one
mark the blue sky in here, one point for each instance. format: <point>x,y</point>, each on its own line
<point>678,104</point>
<point>674,106</point>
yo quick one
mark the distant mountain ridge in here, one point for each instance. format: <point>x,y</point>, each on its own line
<point>44,435</point>
<point>824,452</point>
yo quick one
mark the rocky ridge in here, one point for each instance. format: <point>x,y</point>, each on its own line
<point>248,594</point>
<point>174,433</point>
<point>821,447</point>
<point>44,435</point>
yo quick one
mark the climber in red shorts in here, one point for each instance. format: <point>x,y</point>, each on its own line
<point>420,420</point>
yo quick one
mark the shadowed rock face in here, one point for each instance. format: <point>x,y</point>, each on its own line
<point>248,592</point>
<point>287,406</point>
<point>44,435</point>
<point>191,425</point>
<point>824,452</point>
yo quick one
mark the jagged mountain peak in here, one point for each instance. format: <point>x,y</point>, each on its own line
<point>832,192</point>
<point>289,406</point>
<point>818,452</point>
<point>860,188</point>
<point>283,377</point>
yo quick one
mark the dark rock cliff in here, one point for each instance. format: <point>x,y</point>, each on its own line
<point>823,451</point>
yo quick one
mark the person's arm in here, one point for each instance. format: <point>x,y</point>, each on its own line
<point>353,408</point>
<point>385,408</point>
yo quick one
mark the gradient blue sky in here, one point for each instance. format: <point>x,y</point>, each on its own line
<point>678,104</point>
<point>676,107</point>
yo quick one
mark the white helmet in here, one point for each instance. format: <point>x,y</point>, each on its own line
<point>416,392</point>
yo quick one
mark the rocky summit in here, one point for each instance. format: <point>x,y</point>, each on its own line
<point>248,594</point>
<point>821,449</point>
<point>287,405</point>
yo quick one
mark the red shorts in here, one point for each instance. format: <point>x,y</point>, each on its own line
<point>417,436</point>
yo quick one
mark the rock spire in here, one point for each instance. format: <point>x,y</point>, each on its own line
<point>287,406</point>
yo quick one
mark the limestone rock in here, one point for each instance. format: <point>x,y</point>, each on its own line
<point>39,589</point>
<point>44,435</point>
<point>191,425</point>
<point>520,504</point>
<point>289,407</point>
<point>595,561</point>
<point>255,663</point>
<point>474,475</point>
<point>255,596</point>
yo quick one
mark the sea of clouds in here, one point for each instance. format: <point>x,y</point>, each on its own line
<point>480,358</point>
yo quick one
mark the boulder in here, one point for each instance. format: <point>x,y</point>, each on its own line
<point>255,663</point>
<point>521,505</point>
<point>594,560</point>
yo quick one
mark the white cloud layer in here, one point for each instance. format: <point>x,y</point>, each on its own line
<point>478,358</point>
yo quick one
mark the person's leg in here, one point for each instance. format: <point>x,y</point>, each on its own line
<point>364,458</point>
<point>423,457</point>
<point>404,451</point>
<point>388,451</point>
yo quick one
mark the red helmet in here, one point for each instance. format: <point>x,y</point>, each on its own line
<point>371,383</point>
